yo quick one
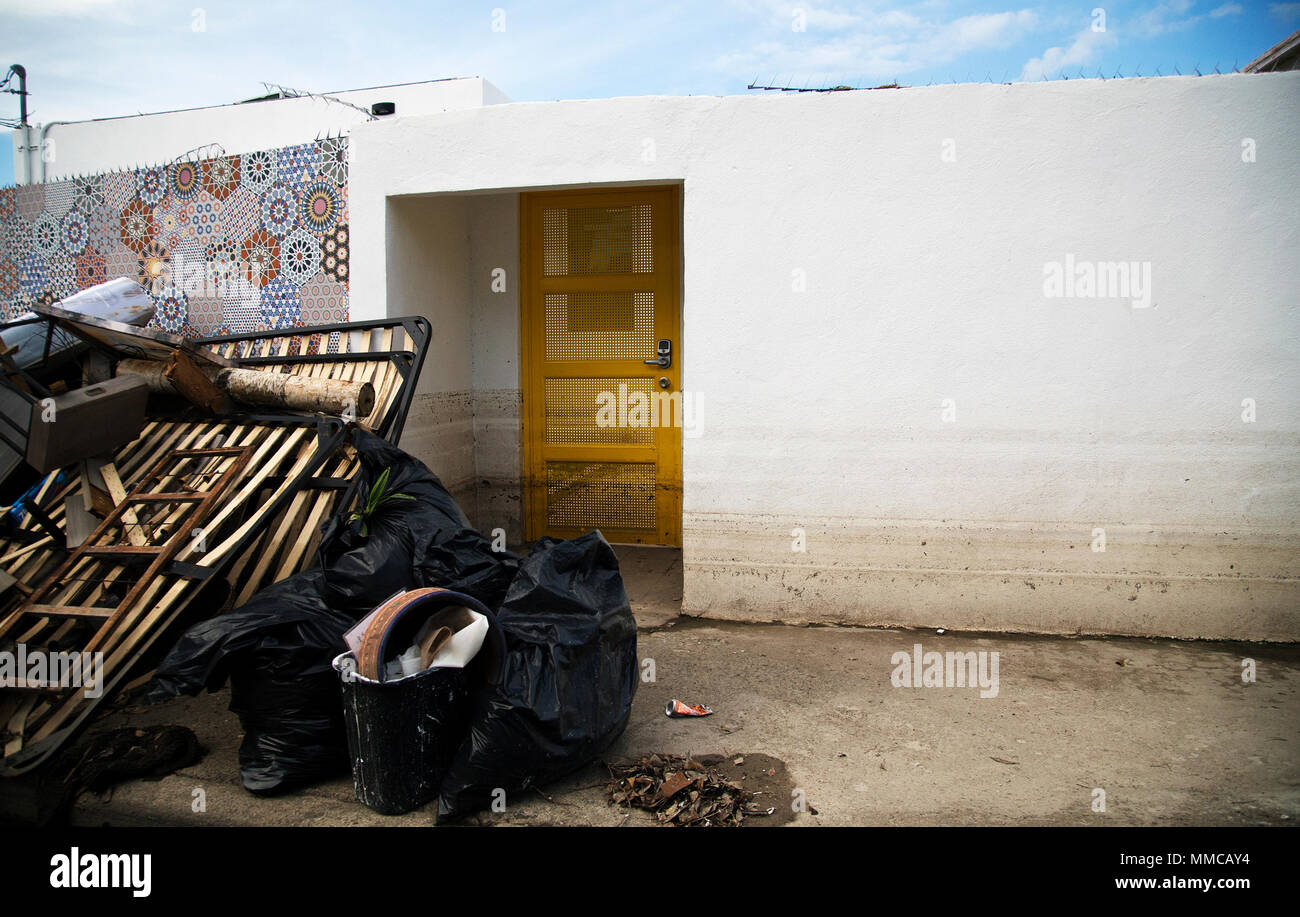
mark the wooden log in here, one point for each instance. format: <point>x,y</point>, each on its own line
<point>338,397</point>
<point>153,373</point>
<point>303,393</point>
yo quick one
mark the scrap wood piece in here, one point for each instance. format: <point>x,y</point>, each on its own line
<point>78,521</point>
<point>179,375</point>
<point>131,523</point>
<point>190,381</point>
<point>94,492</point>
<point>9,581</point>
<point>682,792</point>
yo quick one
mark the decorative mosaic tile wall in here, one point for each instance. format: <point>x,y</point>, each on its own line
<point>225,245</point>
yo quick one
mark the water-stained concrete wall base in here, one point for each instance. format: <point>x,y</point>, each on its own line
<point>498,496</point>
<point>439,431</point>
<point>1039,578</point>
<point>470,440</point>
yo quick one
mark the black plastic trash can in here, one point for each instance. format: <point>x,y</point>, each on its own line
<point>403,735</point>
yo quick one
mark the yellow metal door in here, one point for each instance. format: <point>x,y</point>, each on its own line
<point>600,292</point>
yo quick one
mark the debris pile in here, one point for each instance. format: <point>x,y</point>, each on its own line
<point>248,489</point>
<point>102,761</point>
<point>204,473</point>
<point>683,792</point>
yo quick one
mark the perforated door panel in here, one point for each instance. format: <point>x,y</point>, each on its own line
<point>600,326</point>
<point>604,495</point>
<point>597,240</point>
<point>580,411</point>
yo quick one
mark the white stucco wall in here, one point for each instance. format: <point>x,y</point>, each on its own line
<point>109,144</point>
<point>823,409</point>
<point>427,275</point>
<point>493,228</point>
<point>464,419</point>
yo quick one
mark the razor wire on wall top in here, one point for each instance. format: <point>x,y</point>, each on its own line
<point>1120,73</point>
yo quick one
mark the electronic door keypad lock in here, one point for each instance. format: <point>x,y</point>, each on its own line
<point>665,358</point>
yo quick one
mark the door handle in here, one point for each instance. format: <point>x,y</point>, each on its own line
<point>665,358</point>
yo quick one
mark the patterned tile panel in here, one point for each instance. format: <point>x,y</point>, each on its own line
<point>232,243</point>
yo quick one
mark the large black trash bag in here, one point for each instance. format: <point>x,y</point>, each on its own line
<point>424,541</point>
<point>565,685</point>
<point>275,649</point>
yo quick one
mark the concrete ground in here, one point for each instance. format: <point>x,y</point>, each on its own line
<point>1167,730</point>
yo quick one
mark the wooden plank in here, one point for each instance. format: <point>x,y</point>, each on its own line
<point>109,550</point>
<point>310,532</point>
<point>130,522</point>
<point>69,611</point>
<point>127,340</point>
<point>30,634</point>
<point>190,381</point>
<point>165,497</point>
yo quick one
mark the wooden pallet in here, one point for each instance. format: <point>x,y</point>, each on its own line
<point>279,462</point>
<point>265,526</point>
<point>173,500</point>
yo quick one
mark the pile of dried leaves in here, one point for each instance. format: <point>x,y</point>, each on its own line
<point>681,791</point>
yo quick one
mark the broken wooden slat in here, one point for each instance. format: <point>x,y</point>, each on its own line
<point>165,498</point>
<point>118,493</point>
<point>129,549</point>
<point>70,611</point>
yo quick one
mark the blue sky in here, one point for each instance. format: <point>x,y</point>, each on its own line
<point>95,58</point>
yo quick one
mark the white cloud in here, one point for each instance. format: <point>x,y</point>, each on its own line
<point>1285,11</point>
<point>784,12</point>
<point>1228,9</point>
<point>1085,47</point>
<point>34,9</point>
<point>872,45</point>
<point>1170,16</point>
<point>981,31</point>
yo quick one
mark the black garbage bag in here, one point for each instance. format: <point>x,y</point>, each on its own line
<point>565,685</point>
<point>425,540</point>
<point>276,649</point>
